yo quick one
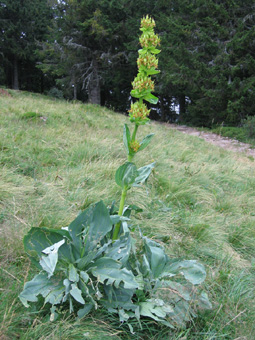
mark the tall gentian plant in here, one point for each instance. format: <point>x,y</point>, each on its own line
<point>143,85</point>
<point>95,262</point>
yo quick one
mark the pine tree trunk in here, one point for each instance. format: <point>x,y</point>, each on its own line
<point>15,81</point>
<point>94,85</point>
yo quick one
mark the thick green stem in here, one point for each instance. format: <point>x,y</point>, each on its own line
<point>134,133</point>
<point>130,157</point>
<point>121,208</point>
<point>124,193</point>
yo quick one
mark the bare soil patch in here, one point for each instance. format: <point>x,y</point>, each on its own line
<point>212,138</point>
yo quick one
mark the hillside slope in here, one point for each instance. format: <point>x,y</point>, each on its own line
<point>58,157</point>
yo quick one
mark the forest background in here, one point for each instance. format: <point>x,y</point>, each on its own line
<point>87,50</point>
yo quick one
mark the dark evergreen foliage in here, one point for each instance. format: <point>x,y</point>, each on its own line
<point>23,23</point>
<point>207,62</point>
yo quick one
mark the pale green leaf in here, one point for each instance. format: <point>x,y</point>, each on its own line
<point>100,226</point>
<point>126,137</point>
<point>126,175</point>
<point>73,275</point>
<point>55,296</point>
<point>120,249</point>
<point>151,98</point>
<point>145,141</point>
<point>204,301</point>
<point>48,263</point>
<point>53,248</point>
<point>156,256</point>
<point>153,309</point>
<point>76,294</point>
<point>39,285</point>
<point>84,276</point>
<point>193,271</point>
<point>39,239</point>
<point>109,271</point>
<point>85,311</point>
<point>143,174</point>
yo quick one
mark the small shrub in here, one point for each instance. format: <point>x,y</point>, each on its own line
<point>237,133</point>
<point>249,126</point>
<point>56,93</point>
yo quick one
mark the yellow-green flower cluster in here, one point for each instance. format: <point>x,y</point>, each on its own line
<point>147,60</point>
<point>139,112</point>
<point>149,39</point>
<point>147,23</point>
<point>141,83</point>
<point>147,63</point>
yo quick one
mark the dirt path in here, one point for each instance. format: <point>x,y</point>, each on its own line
<point>223,142</point>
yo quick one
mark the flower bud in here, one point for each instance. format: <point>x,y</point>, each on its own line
<point>134,145</point>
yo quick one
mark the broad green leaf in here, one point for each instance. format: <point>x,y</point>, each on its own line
<point>54,248</point>
<point>39,239</point>
<point>157,310</point>
<point>73,275</point>
<point>55,296</point>
<point>181,314</point>
<point>151,98</point>
<point>120,249</point>
<point>84,261</point>
<point>109,271</point>
<point>100,226</point>
<point>204,301</point>
<point>39,285</point>
<point>149,71</point>
<point>119,298</point>
<point>53,314</point>
<point>126,138</point>
<point>67,285</point>
<point>78,228</point>
<point>85,311</point>
<point>193,271</point>
<point>84,276</point>
<point>145,141</point>
<point>154,50</point>
<point>136,94</point>
<point>156,256</point>
<point>126,174</point>
<point>76,294</point>
<point>152,71</point>
<point>48,263</point>
<point>171,291</point>
<point>123,315</point>
<point>88,292</point>
<point>143,173</point>
<point>88,229</point>
<point>116,219</point>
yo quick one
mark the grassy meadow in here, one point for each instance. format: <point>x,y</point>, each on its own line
<point>57,158</point>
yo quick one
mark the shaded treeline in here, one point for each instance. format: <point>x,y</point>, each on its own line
<point>87,50</point>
